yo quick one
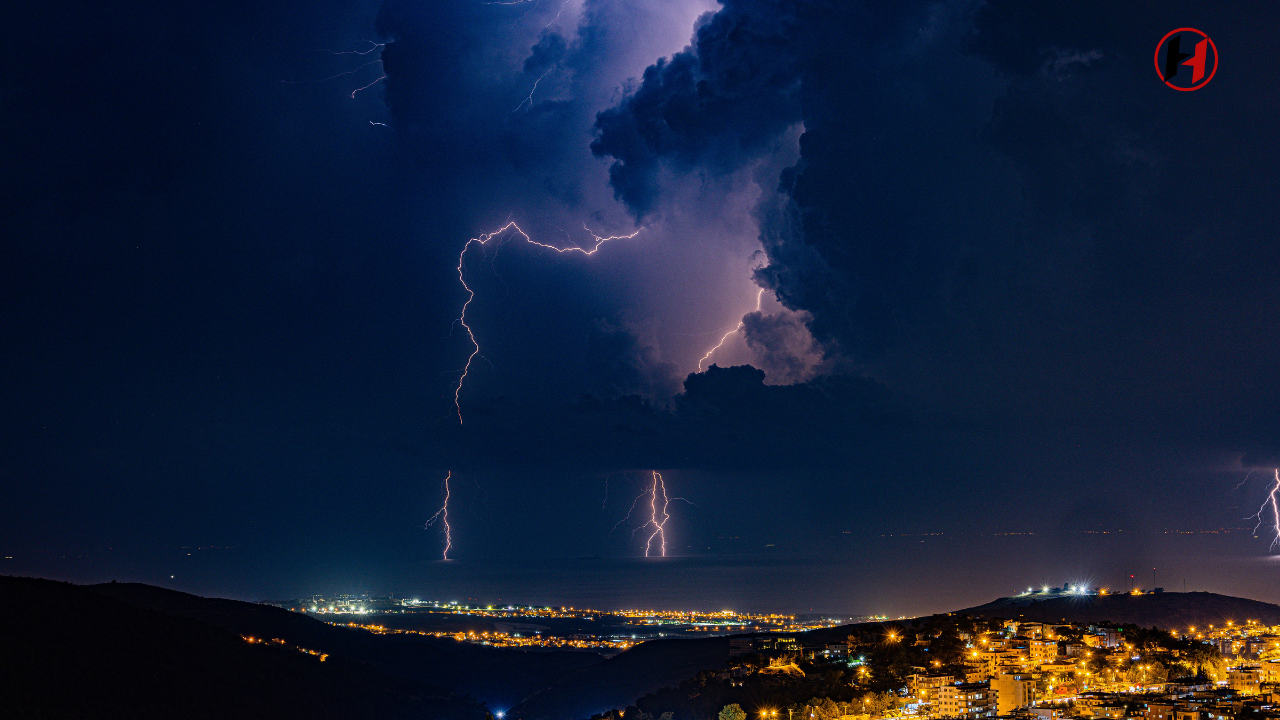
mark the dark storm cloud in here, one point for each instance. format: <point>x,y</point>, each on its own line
<point>620,363</point>
<point>784,348</point>
<point>997,208</point>
<point>716,104</point>
<point>549,50</point>
<point>726,418</point>
<point>229,299</point>
<point>492,103</point>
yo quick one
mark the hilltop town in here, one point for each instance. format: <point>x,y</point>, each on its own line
<point>958,666</point>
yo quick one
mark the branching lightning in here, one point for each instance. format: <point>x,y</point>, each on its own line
<point>1272,501</point>
<point>658,525</point>
<point>443,516</point>
<point>372,47</point>
<point>471,295</point>
<point>628,515</point>
<point>532,90</point>
<point>658,515</point>
<point>759,298</point>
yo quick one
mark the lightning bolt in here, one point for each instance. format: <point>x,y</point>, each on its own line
<point>759,298</point>
<point>658,525</point>
<point>532,90</point>
<point>366,87</point>
<point>483,240</point>
<point>372,47</point>
<point>443,515</point>
<point>658,516</point>
<point>1273,500</point>
<point>628,515</point>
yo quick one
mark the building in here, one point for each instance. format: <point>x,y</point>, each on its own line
<point>1246,680</point>
<point>1031,629</point>
<point>1063,669</point>
<point>1158,710</point>
<point>966,700</point>
<point>989,660</point>
<point>785,644</point>
<point>925,685</point>
<point>1013,691</point>
<point>1043,651</point>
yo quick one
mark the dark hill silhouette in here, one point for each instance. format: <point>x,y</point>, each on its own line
<point>1168,610</point>
<point>497,677</point>
<point>72,653</point>
<point>85,649</point>
<point>618,681</point>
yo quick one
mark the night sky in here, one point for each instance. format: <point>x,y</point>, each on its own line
<point>1019,301</point>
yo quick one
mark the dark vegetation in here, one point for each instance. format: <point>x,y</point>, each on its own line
<point>499,678</point>
<point>619,680</point>
<point>71,653</point>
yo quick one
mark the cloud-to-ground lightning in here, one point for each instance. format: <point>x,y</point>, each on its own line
<point>1273,503</point>
<point>736,328</point>
<point>659,526</point>
<point>443,516</point>
<point>483,240</point>
<point>659,501</point>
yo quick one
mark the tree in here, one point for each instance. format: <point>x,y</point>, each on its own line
<point>1205,659</point>
<point>732,711</point>
<point>1146,673</point>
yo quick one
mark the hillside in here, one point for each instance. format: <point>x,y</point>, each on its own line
<point>84,651</point>
<point>499,678</point>
<point>72,653</point>
<point>1168,610</point>
<point>618,681</point>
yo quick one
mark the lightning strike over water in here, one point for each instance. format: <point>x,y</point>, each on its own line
<point>1273,500</point>
<point>759,298</point>
<point>483,240</point>
<point>659,526</point>
<point>443,516</point>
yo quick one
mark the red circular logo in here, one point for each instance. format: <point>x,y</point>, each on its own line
<point>1186,59</point>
